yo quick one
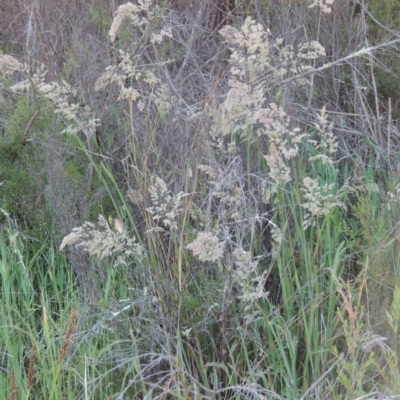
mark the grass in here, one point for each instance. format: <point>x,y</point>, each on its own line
<point>194,336</point>
<point>255,254</point>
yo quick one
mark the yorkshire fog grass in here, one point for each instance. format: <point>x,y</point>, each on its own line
<point>221,209</point>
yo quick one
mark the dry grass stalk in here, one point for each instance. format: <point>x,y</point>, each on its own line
<point>13,386</point>
<point>68,335</point>
<point>31,368</point>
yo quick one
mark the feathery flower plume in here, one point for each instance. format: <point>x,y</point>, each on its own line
<point>325,141</point>
<point>324,5</point>
<point>251,284</point>
<point>206,247</point>
<point>279,171</point>
<point>321,199</point>
<point>166,207</point>
<point>126,11</point>
<point>102,241</point>
<point>9,65</point>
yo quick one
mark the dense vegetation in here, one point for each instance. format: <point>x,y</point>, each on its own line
<point>199,208</point>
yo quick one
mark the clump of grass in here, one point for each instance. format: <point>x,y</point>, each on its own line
<point>226,275</point>
<point>311,241</point>
<point>369,366</point>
